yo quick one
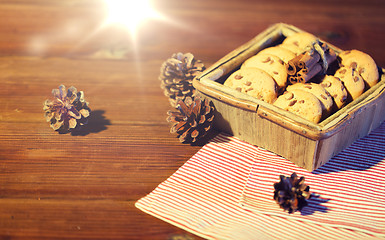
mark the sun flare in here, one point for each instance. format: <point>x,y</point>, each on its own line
<point>130,13</point>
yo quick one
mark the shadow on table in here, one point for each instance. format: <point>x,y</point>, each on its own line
<point>368,155</point>
<point>206,139</point>
<point>363,154</point>
<point>315,205</point>
<point>96,123</point>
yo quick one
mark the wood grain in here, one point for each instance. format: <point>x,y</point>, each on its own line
<point>63,186</point>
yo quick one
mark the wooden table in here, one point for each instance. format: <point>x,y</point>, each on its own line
<point>63,186</point>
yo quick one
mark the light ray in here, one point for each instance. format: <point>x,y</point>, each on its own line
<point>130,13</point>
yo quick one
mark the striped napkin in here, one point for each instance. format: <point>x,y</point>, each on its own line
<point>349,191</point>
<point>225,192</point>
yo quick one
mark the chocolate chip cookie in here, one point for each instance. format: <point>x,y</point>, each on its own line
<point>301,103</point>
<point>254,82</point>
<point>334,86</point>
<point>362,63</point>
<point>271,64</point>
<point>352,80</point>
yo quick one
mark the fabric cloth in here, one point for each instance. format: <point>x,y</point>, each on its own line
<point>225,191</point>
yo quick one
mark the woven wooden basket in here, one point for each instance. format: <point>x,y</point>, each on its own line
<point>307,144</point>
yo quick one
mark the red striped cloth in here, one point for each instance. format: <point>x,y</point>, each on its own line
<point>348,192</point>
<point>225,192</point>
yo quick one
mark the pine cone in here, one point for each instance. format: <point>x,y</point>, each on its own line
<point>193,120</point>
<point>177,74</point>
<point>291,193</point>
<point>66,110</point>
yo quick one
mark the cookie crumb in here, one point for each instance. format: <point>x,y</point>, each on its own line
<point>289,96</point>
<point>268,59</point>
<point>238,77</point>
<point>248,83</point>
<point>291,103</point>
<point>326,84</point>
<point>353,65</point>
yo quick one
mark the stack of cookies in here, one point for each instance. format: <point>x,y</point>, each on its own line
<point>265,77</point>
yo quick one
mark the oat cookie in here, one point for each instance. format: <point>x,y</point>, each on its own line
<point>319,92</point>
<point>335,87</point>
<point>254,82</point>
<point>363,63</point>
<point>282,53</point>
<point>301,103</point>
<point>353,82</point>
<point>301,39</point>
<point>271,64</point>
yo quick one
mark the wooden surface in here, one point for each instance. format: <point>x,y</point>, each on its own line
<point>63,186</point>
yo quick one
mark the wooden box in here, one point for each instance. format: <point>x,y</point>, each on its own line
<point>307,144</point>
